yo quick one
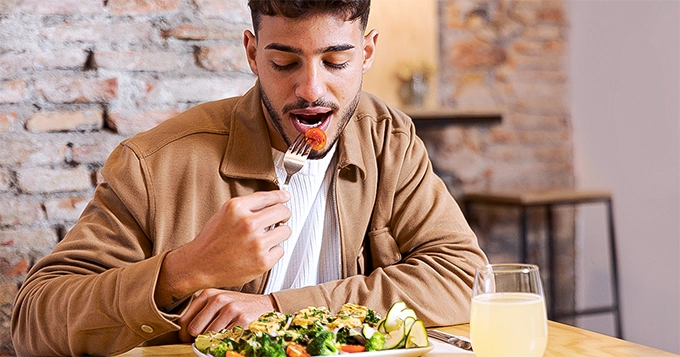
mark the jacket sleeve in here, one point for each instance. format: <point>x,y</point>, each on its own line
<point>418,247</point>
<point>94,295</point>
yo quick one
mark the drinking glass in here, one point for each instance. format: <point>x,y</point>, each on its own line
<point>508,316</point>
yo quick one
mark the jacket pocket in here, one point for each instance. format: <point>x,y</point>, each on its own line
<point>384,249</point>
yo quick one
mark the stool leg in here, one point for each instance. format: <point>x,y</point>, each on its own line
<point>614,269</point>
<point>552,310</point>
<point>524,244</point>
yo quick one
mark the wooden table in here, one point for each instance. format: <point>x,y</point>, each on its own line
<point>563,341</point>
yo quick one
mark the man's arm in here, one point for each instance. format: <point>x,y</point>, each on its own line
<point>111,283</point>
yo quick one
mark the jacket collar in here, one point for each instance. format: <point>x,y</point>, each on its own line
<point>248,134</point>
<point>350,146</point>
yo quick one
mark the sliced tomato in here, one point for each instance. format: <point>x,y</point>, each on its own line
<point>233,354</point>
<point>316,138</point>
<point>296,350</point>
<point>352,348</point>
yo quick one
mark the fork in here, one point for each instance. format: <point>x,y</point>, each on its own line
<point>450,339</point>
<point>293,160</point>
<point>295,157</point>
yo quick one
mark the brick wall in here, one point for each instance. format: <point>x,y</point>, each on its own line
<point>78,76</point>
<point>510,55</point>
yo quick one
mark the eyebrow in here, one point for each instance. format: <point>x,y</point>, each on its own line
<point>285,48</point>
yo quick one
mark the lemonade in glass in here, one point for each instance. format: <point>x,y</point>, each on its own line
<point>508,314</point>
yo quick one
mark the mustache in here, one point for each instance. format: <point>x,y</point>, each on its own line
<point>302,104</point>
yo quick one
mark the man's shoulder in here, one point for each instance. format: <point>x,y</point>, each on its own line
<point>210,118</point>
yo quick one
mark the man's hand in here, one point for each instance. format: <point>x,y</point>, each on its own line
<point>215,309</point>
<point>234,247</point>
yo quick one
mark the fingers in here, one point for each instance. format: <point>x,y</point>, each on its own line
<point>215,309</point>
<point>200,314</point>
<point>261,199</point>
<point>258,211</point>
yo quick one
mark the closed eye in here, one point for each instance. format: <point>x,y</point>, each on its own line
<point>285,67</point>
<point>337,65</point>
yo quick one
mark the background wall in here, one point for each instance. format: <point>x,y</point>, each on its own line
<point>625,90</point>
<point>76,78</point>
<point>408,39</point>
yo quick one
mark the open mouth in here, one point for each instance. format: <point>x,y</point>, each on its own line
<point>312,120</point>
<point>307,119</point>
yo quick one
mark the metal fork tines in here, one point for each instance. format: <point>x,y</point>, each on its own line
<point>295,157</point>
<point>450,339</point>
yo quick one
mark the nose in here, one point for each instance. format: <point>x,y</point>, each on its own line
<point>311,83</point>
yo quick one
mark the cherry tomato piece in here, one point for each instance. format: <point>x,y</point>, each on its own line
<point>352,348</point>
<point>316,138</point>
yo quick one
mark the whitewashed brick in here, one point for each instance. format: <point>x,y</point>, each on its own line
<point>66,121</point>
<point>97,32</point>
<point>54,59</point>
<point>223,58</point>
<point>29,241</point>
<point>139,61</point>
<point>230,10</point>
<point>207,30</point>
<point>77,90</point>
<point>142,7</point>
<point>93,148</point>
<point>36,151</point>
<point>132,122</point>
<point>5,180</point>
<point>7,120</point>
<point>198,89</point>
<point>65,209</point>
<point>12,91</point>
<point>62,7</point>
<point>20,210</point>
<point>46,180</point>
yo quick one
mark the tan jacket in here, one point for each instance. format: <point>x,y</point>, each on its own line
<point>403,236</point>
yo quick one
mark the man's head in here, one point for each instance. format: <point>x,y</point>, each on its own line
<point>350,10</point>
<point>310,57</point>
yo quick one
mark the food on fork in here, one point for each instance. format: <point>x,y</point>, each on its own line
<point>316,138</point>
<point>315,331</point>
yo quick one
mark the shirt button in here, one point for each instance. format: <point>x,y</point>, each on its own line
<point>147,328</point>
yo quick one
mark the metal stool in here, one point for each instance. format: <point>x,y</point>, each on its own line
<point>548,200</point>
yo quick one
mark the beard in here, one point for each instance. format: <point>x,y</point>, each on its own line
<point>345,116</point>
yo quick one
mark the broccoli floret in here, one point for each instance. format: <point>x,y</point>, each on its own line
<point>272,350</point>
<point>372,317</point>
<point>376,342</point>
<point>262,345</point>
<point>323,344</point>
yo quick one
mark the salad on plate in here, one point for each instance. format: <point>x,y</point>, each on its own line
<point>316,331</point>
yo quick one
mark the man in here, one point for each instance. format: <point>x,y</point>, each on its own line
<point>177,240</point>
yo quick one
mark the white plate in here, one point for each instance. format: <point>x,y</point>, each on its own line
<point>400,352</point>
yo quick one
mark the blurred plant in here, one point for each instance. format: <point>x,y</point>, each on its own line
<point>408,69</point>
<point>415,77</point>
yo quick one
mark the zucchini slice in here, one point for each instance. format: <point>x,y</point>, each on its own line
<point>417,336</point>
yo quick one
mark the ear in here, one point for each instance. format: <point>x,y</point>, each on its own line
<point>250,44</point>
<point>370,42</point>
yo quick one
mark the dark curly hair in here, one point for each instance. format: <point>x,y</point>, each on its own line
<point>349,9</point>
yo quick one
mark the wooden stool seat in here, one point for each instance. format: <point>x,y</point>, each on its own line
<point>532,198</point>
<point>549,199</point>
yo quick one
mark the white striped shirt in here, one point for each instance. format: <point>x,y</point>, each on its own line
<point>312,253</point>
